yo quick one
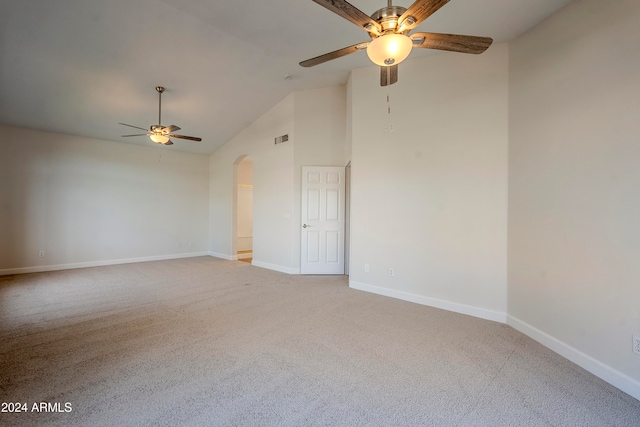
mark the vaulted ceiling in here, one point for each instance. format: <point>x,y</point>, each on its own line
<point>81,66</point>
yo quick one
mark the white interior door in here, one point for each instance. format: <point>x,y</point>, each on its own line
<point>323,210</point>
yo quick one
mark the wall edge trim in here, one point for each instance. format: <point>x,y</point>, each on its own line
<point>223,256</point>
<point>469,310</point>
<point>70,266</point>
<point>273,267</point>
<point>601,370</point>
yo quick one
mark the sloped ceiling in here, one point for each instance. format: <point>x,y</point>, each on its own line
<point>81,66</point>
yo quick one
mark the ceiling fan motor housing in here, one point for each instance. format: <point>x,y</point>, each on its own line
<point>387,17</point>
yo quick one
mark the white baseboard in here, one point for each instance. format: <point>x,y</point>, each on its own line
<point>612,376</point>
<point>273,267</point>
<point>256,263</point>
<point>481,313</point>
<point>223,256</point>
<point>56,267</point>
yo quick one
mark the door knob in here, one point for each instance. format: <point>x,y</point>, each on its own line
<point>305,226</point>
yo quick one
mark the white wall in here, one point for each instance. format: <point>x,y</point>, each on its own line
<point>320,129</point>
<point>315,122</point>
<point>430,198</point>
<point>272,189</point>
<point>88,201</point>
<point>574,187</point>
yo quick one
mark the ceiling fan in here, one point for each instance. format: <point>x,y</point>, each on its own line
<point>389,30</point>
<point>158,133</point>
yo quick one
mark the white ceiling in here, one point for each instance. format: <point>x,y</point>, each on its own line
<point>81,66</point>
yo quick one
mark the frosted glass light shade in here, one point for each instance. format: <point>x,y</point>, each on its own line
<point>158,139</point>
<point>389,49</point>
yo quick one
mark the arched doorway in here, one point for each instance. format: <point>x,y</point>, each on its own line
<point>243,215</point>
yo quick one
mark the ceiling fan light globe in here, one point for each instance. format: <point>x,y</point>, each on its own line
<point>159,139</point>
<point>389,49</point>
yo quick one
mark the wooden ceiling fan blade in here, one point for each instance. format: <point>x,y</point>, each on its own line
<point>451,42</point>
<point>351,14</point>
<point>388,75</point>
<point>137,134</point>
<point>334,55</point>
<point>190,138</point>
<point>171,128</point>
<point>419,11</point>
<point>132,126</point>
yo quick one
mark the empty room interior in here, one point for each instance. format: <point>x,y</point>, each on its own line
<point>483,268</point>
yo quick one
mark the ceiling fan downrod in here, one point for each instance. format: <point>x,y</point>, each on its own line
<point>159,89</point>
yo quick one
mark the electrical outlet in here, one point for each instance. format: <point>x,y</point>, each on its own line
<point>41,254</point>
<point>636,344</point>
<point>366,268</point>
<point>392,127</point>
<point>179,244</point>
<point>391,272</point>
<point>190,243</point>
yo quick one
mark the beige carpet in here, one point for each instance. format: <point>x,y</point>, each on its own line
<point>203,341</point>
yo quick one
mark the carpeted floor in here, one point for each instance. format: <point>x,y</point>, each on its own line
<point>202,341</point>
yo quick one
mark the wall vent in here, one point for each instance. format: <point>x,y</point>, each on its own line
<point>281,139</point>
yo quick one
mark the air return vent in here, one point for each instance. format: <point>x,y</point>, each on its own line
<point>281,139</point>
